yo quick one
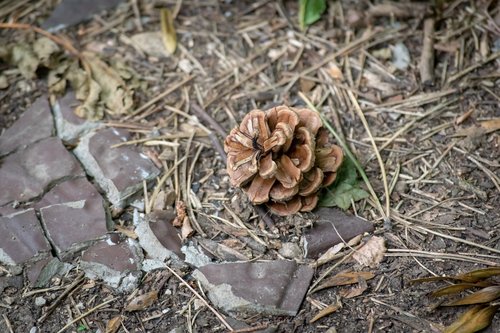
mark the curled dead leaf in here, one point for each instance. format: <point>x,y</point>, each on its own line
<point>325,312</point>
<point>484,295</point>
<point>114,324</point>
<point>372,253</point>
<point>142,302</point>
<point>473,320</point>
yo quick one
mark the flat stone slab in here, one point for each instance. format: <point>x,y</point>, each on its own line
<point>35,123</point>
<point>333,227</point>
<point>119,171</point>
<point>21,238</point>
<point>267,287</point>
<point>73,215</point>
<point>25,174</point>
<point>116,261</point>
<point>68,125</point>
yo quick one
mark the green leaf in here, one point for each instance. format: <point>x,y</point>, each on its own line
<point>310,11</point>
<point>345,188</point>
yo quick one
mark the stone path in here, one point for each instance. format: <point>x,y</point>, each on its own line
<point>55,206</point>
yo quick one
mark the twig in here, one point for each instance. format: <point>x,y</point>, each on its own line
<point>61,297</point>
<point>251,329</point>
<point>426,64</point>
<point>7,323</point>
<point>217,314</point>
<point>97,307</point>
<point>473,67</point>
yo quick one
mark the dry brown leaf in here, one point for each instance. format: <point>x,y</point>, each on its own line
<point>456,288</point>
<point>325,312</point>
<point>186,229</point>
<point>483,128</point>
<point>335,72</point>
<point>345,278</point>
<point>484,295</point>
<point>113,324</point>
<point>353,292</point>
<point>142,302</point>
<point>372,253</point>
<point>129,232</point>
<point>180,209</point>
<point>479,274</point>
<point>168,30</point>
<point>25,59</point>
<point>473,320</point>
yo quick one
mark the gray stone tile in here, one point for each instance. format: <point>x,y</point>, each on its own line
<point>25,174</point>
<point>35,123</point>
<point>68,125</point>
<point>268,287</point>
<point>116,261</point>
<point>73,215</point>
<point>21,238</point>
<point>332,227</point>
<point>118,171</point>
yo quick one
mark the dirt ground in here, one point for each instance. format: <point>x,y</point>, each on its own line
<point>442,167</point>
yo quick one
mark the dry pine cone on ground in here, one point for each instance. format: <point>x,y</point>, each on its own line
<point>282,157</point>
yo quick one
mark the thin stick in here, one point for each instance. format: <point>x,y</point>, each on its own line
<point>426,65</point>
<point>473,67</point>
<point>86,314</point>
<point>61,297</point>
<point>377,153</point>
<point>7,323</point>
<point>217,314</point>
<point>348,152</point>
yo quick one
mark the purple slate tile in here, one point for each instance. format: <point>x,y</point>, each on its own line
<point>267,287</point>
<point>70,12</point>
<point>21,238</point>
<point>25,174</point>
<point>333,227</point>
<point>73,215</point>
<point>68,125</point>
<point>35,123</point>
<point>167,234</point>
<point>116,261</point>
<point>118,171</point>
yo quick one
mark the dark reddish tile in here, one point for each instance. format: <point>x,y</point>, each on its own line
<point>73,215</point>
<point>332,227</point>
<point>36,123</point>
<point>68,125</point>
<point>25,174</point>
<point>160,223</point>
<point>21,238</point>
<point>268,287</point>
<point>118,171</point>
<point>70,12</point>
<point>116,261</point>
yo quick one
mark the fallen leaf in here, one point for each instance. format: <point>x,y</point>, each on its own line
<point>479,274</point>
<point>325,312</point>
<point>345,278</point>
<point>186,229</point>
<point>475,131</point>
<point>44,48</point>
<point>129,232</point>
<point>25,59</point>
<point>456,288</point>
<point>473,320</point>
<point>310,11</point>
<point>180,209</point>
<point>142,302</point>
<point>168,30</point>
<point>372,253</point>
<point>329,255</point>
<point>353,292</point>
<point>150,43</point>
<point>484,295</point>
<point>113,324</point>
<point>334,71</point>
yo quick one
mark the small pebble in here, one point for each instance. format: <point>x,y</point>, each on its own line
<point>290,250</point>
<point>40,301</point>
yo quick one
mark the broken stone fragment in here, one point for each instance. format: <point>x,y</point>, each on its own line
<point>25,174</point>
<point>159,239</point>
<point>73,216</point>
<point>68,125</point>
<point>266,287</point>
<point>118,171</point>
<point>332,227</point>
<point>35,123</point>
<point>41,272</point>
<point>117,262</point>
<point>21,238</point>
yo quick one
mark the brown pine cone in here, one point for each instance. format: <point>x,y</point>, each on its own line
<point>282,157</point>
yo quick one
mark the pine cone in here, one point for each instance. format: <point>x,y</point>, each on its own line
<point>282,157</point>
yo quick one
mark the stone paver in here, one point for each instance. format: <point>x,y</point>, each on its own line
<point>25,174</point>
<point>118,171</point>
<point>116,261</point>
<point>333,227</point>
<point>73,215</point>
<point>268,287</point>
<point>35,123</point>
<point>68,125</point>
<point>21,238</point>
